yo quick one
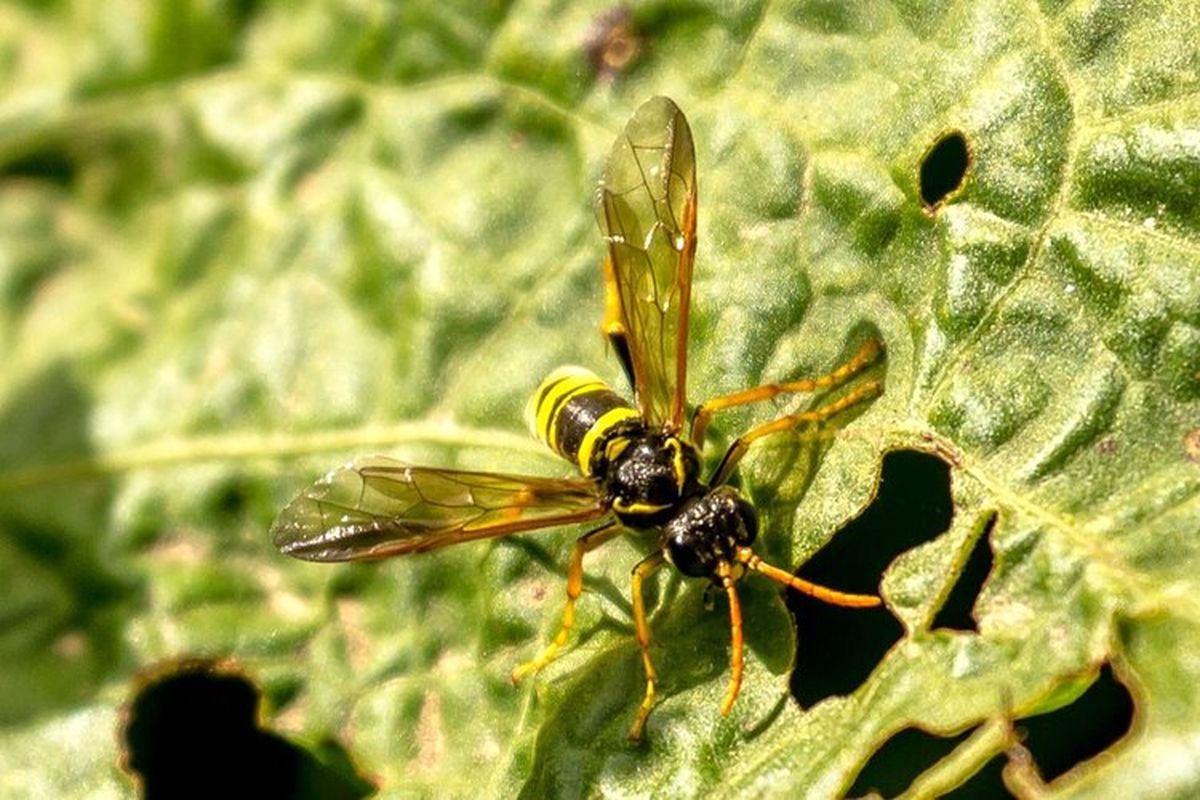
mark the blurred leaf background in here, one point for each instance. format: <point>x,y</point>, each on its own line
<point>241,242</point>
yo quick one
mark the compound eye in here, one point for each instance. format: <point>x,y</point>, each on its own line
<point>688,556</point>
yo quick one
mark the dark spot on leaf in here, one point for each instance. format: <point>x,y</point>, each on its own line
<point>1063,738</point>
<point>1107,446</point>
<point>944,168</point>
<point>1191,445</point>
<point>955,613</point>
<point>194,733</point>
<point>472,117</point>
<point>243,11</point>
<point>838,647</point>
<point>231,500</point>
<point>51,164</point>
<point>612,43</point>
<point>238,500</point>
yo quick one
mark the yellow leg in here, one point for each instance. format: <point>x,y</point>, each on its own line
<point>752,561</point>
<point>643,570</point>
<point>867,353</point>
<point>583,545</point>
<point>736,657</point>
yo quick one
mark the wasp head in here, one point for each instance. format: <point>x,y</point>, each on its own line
<point>708,531</point>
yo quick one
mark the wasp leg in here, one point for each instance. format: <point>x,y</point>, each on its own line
<point>643,570</point>
<point>583,545</point>
<point>612,326</point>
<point>738,449</point>
<point>736,657</point>
<point>752,561</point>
<point>867,353</point>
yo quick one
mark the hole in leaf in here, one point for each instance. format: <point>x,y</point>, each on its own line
<point>956,612</point>
<point>907,754</point>
<point>1063,738</point>
<point>838,647</point>
<point>901,759</point>
<point>944,168</point>
<point>194,733</point>
<point>985,784</point>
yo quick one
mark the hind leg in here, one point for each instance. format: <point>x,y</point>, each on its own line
<point>583,545</point>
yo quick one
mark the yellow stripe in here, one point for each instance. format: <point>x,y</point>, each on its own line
<point>557,391</point>
<point>677,462</point>
<point>537,406</point>
<point>643,509</point>
<point>557,400</point>
<point>614,448</point>
<point>600,427</point>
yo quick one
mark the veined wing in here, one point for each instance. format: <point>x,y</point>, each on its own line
<point>376,507</point>
<point>646,207</point>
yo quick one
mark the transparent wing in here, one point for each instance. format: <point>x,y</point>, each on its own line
<point>376,507</point>
<point>646,207</point>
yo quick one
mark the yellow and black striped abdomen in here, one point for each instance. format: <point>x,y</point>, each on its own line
<point>574,413</point>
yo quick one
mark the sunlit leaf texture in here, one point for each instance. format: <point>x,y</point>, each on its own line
<point>244,242</point>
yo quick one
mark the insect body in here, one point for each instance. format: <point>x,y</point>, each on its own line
<point>637,467</point>
<point>644,474</point>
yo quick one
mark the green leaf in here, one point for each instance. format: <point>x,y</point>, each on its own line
<point>243,242</point>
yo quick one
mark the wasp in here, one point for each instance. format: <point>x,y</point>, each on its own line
<point>638,470</point>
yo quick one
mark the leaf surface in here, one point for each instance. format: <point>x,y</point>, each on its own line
<point>242,243</point>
